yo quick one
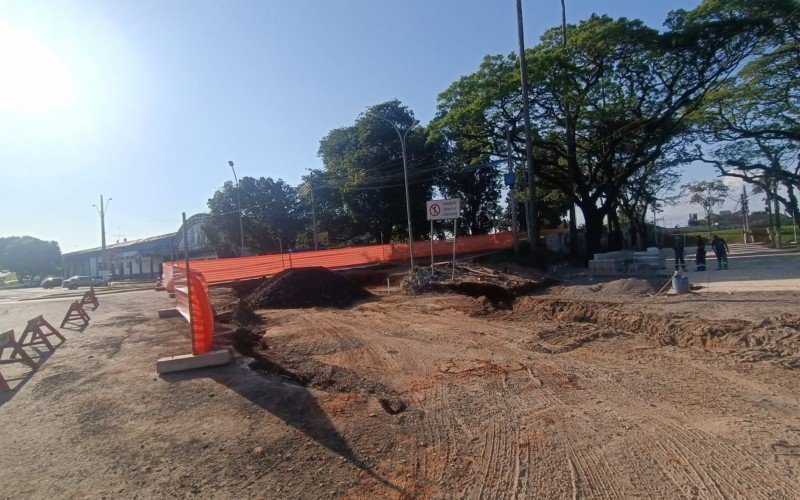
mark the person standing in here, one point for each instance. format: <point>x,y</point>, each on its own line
<point>680,252</point>
<point>720,247</point>
<point>700,254</point>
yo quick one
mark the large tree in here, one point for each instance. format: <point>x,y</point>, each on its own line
<point>28,256</point>
<point>628,88</point>
<point>364,163</point>
<point>272,216</point>
<point>750,125</point>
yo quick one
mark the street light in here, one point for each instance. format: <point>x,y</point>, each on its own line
<point>102,211</point>
<point>402,137</point>
<point>238,205</point>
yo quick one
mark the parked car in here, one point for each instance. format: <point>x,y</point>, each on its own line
<point>78,281</point>
<point>52,282</point>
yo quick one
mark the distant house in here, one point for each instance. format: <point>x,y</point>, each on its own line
<point>142,258</point>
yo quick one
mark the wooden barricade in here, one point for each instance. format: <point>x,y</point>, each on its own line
<point>90,298</point>
<point>7,341</point>
<point>75,311</point>
<point>38,335</point>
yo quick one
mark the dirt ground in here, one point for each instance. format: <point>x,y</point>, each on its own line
<point>574,392</point>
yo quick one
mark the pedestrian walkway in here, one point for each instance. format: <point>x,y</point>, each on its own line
<point>753,267</point>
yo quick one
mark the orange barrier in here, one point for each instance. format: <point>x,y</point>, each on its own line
<point>238,268</point>
<point>221,270</point>
<point>199,312</point>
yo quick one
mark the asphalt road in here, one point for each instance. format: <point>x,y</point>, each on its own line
<point>17,306</point>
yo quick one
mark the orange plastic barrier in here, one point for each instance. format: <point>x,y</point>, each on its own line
<point>238,268</point>
<point>202,316</point>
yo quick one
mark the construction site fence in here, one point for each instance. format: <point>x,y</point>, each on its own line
<point>197,310</point>
<point>240,268</point>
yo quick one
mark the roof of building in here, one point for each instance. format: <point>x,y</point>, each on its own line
<point>130,244</point>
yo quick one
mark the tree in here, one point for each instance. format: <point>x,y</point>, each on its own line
<point>707,194</point>
<point>28,256</point>
<point>751,122</point>
<point>364,163</point>
<point>629,90</point>
<point>272,216</point>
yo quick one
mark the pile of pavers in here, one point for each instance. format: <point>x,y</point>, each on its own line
<point>628,262</point>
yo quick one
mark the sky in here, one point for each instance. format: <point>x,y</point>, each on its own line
<point>145,101</point>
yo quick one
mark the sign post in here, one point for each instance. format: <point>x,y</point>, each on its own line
<point>442,210</point>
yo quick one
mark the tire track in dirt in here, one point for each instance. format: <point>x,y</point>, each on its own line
<point>706,456</point>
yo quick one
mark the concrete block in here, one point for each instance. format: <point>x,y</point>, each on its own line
<point>606,267</point>
<point>191,362</point>
<point>168,313</point>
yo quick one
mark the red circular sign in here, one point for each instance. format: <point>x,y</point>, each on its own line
<point>435,209</point>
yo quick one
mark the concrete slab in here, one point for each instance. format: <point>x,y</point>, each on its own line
<point>168,313</point>
<point>191,362</point>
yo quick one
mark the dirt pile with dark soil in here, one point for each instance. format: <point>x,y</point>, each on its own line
<point>239,313</point>
<point>776,339</point>
<point>306,287</point>
<point>501,289</point>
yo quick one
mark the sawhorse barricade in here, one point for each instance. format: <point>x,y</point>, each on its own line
<point>76,311</point>
<point>90,298</point>
<point>38,336</point>
<point>7,341</point>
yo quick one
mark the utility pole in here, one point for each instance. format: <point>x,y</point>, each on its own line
<point>571,151</point>
<point>533,225</point>
<point>102,211</point>
<point>238,206</point>
<point>313,209</point>
<point>513,187</point>
<point>402,137</point>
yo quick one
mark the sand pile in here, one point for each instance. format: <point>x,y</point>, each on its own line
<point>306,287</point>
<point>630,286</point>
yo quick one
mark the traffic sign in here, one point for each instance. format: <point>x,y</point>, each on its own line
<point>443,209</point>
<point>509,179</point>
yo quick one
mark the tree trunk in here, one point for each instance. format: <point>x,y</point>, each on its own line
<point>770,222</point>
<point>642,239</point>
<point>594,229</point>
<point>615,238</point>
<point>778,235</point>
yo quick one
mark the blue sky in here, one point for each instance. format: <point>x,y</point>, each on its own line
<point>145,101</point>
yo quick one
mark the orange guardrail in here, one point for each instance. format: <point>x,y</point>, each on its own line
<point>202,316</point>
<point>238,268</point>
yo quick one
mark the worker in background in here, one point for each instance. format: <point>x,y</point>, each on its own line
<point>700,254</point>
<point>720,247</point>
<point>680,252</point>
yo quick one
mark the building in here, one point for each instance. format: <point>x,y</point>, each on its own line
<point>143,258</point>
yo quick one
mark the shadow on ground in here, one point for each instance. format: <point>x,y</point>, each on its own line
<point>293,404</point>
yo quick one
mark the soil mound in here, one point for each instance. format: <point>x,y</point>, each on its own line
<point>306,287</point>
<point>630,286</point>
<point>775,339</point>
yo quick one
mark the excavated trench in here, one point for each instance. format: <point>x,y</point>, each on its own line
<point>775,339</point>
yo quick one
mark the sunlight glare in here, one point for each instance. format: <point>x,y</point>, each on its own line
<point>32,78</point>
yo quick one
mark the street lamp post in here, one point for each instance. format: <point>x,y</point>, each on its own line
<point>402,137</point>
<point>102,211</point>
<point>238,205</point>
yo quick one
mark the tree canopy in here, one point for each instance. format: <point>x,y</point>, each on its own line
<point>28,256</point>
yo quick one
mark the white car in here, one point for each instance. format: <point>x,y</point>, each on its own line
<point>78,281</point>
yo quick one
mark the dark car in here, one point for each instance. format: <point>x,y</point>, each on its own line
<point>52,282</point>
